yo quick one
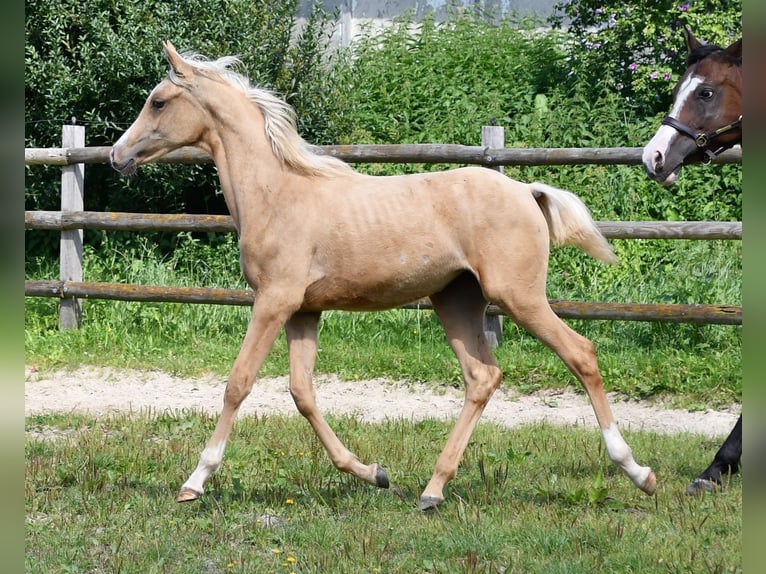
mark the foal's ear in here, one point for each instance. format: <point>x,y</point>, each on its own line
<point>691,42</point>
<point>735,50</point>
<point>180,68</point>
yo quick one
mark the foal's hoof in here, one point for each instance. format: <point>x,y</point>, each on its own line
<point>187,495</point>
<point>381,477</point>
<point>650,484</point>
<point>701,486</point>
<point>428,502</point>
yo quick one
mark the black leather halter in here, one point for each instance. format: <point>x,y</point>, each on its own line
<point>702,139</point>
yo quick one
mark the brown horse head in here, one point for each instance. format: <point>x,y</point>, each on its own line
<point>706,117</point>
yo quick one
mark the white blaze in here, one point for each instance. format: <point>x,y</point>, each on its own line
<point>661,141</point>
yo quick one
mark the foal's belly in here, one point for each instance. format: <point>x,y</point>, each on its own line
<point>376,291</point>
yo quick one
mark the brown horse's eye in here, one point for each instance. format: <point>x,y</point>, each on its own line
<point>706,93</point>
<point>158,104</point>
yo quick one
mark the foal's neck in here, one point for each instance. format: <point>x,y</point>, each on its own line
<point>248,168</point>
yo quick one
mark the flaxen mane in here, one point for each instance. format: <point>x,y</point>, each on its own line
<point>278,115</point>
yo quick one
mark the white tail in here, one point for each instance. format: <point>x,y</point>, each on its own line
<point>570,222</point>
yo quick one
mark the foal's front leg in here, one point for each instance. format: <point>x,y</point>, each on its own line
<point>261,332</point>
<point>301,330</point>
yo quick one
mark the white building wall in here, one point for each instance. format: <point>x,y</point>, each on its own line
<point>361,14</point>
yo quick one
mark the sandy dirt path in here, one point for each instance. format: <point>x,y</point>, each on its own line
<point>101,391</point>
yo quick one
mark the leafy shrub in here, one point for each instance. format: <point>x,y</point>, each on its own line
<point>438,82</point>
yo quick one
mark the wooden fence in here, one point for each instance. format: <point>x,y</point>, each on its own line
<point>72,220</point>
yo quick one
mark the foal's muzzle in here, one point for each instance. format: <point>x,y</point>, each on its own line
<point>126,168</point>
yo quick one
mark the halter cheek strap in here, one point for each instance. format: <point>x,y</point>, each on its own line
<point>701,139</point>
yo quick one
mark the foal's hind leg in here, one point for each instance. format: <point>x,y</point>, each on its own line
<point>301,330</point>
<point>460,308</point>
<point>579,355</point>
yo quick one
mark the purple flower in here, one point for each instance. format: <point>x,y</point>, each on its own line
<point>599,11</point>
<point>633,66</point>
<point>612,19</point>
<point>666,76</point>
<point>654,75</point>
<point>684,7</point>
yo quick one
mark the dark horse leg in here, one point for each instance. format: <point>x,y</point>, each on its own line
<point>725,463</point>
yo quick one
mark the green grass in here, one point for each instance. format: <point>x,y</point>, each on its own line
<point>100,498</point>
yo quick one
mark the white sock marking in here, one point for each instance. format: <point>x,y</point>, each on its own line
<point>621,455</point>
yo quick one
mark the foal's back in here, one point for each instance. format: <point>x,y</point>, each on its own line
<point>385,241</point>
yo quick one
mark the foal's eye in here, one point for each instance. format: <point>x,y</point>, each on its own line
<point>706,93</point>
<point>158,104</point>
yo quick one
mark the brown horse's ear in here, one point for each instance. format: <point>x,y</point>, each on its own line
<point>691,42</point>
<point>180,68</point>
<point>735,50</point>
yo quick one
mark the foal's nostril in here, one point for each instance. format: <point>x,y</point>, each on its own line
<point>659,160</point>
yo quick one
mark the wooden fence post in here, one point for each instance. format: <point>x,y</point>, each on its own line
<point>72,191</point>
<point>493,137</point>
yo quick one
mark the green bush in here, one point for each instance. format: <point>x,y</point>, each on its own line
<point>439,82</point>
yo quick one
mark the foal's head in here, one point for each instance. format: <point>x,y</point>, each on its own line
<point>706,115</point>
<point>172,117</point>
<point>200,97</point>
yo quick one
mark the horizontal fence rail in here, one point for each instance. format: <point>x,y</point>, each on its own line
<point>119,221</point>
<point>71,287</point>
<point>116,221</point>
<point>671,313</point>
<point>394,153</point>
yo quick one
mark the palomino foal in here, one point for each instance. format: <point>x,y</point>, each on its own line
<point>314,234</point>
